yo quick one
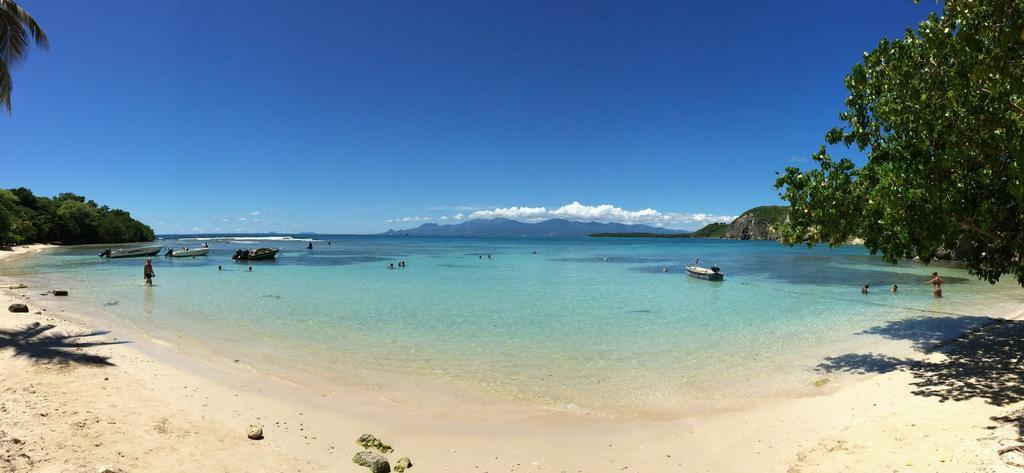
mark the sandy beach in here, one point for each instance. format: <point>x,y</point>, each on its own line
<point>76,397</point>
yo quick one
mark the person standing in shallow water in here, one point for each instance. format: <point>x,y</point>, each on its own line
<point>936,283</point>
<point>147,272</point>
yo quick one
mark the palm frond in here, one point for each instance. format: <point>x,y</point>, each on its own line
<point>16,27</point>
<point>5,86</point>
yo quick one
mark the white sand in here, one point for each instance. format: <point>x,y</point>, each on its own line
<point>153,409</point>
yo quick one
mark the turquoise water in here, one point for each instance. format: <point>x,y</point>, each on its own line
<point>603,326</point>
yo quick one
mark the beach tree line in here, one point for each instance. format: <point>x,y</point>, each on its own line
<point>67,218</point>
<point>939,116</point>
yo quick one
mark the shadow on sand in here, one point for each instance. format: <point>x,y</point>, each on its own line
<point>36,342</point>
<point>980,364</point>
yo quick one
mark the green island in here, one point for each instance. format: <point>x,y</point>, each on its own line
<point>758,223</point>
<point>640,235</point>
<point>66,218</point>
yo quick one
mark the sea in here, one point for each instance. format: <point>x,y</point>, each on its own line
<point>608,327</point>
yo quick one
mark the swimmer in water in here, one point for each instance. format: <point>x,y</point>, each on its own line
<point>864,290</point>
<point>147,272</point>
<point>936,283</point>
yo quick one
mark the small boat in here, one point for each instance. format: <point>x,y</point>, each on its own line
<point>187,252</point>
<point>151,250</point>
<point>257,254</point>
<point>713,274</point>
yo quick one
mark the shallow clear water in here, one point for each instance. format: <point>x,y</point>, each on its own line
<point>595,325</point>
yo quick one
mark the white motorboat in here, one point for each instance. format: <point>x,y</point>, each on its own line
<point>187,253</point>
<point>713,274</point>
<point>151,250</point>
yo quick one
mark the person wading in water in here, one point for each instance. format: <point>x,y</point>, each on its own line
<point>147,272</point>
<point>936,283</point>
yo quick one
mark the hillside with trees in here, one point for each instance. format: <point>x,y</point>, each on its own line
<point>712,230</point>
<point>758,223</point>
<point>67,219</point>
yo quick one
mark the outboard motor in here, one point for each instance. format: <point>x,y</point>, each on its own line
<point>170,251</point>
<point>105,253</point>
<point>238,254</point>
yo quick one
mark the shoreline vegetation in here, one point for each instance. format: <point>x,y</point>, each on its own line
<point>74,392</point>
<point>66,219</point>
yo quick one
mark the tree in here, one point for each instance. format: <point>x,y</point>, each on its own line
<point>7,217</point>
<point>939,115</point>
<point>16,26</point>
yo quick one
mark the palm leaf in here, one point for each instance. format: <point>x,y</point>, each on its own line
<point>16,27</point>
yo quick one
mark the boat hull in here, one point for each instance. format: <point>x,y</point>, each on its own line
<point>190,253</point>
<point>256,255</point>
<point>704,273</point>
<point>136,252</point>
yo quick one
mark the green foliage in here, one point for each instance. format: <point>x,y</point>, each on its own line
<point>775,214</point>
<point>940,117</point>
<point>712,230</point>
<point>67,218</point>
<point>16,27</point>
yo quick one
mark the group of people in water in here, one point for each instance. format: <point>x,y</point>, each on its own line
<point>310,245</point>
<point>935,281</point>
<point>221,268</point>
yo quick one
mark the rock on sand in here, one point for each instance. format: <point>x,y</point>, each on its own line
<point>255,432</point>
<point>372,460</point>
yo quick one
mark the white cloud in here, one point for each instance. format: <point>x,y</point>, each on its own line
<point>515,213</point>
<point>603,213</point>
<point>589,213</point>
<point>255,213</point>
<point>241,219</point>
<point>409,219</point>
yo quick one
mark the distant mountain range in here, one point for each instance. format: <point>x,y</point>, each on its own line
<point>503,227</point>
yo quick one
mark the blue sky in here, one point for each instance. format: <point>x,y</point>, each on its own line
<point>336,116</point>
